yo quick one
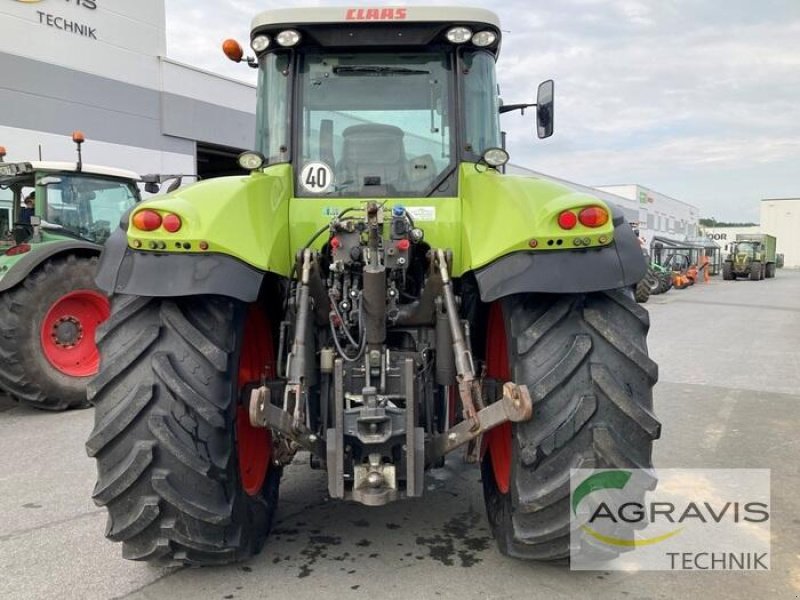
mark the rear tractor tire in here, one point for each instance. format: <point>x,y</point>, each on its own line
<point>755,271</point>
<point>642,290</point>
<point>727,272</point>
<point>656,285</point>
<point>666,282</point>
<point>584,359</point>
<point>185,478</point>
<point>47,329</point>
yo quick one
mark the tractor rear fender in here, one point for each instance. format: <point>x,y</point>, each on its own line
<point>39,253</point>
<point>232,231</point>
<point>517,244</point>
<point>569,271</point>
<point>126,271</point>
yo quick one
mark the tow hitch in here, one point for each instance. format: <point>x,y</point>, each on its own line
<point>376,483</point>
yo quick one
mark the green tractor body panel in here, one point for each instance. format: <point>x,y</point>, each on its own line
<point>658,268</point>
<point>742,257</point>
<point>14,268</point>
<point>504,214</point>
<point>245,217</point>
<point>256,219</point>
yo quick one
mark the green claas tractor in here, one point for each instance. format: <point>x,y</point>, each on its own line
<point>375,292</point>
<point>50,307</point>
<point>751,255</point>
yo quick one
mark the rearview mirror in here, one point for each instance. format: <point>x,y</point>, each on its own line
<point>151,187</point>
<point>175,185</point>
<point>544,109</point>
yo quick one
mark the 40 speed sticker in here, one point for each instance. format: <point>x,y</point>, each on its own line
<point>316,177</point>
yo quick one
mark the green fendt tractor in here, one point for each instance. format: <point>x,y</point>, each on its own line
<point>50,306</point>
<point>662,279</point>
<point>375,292</point>
<point>751,255</point>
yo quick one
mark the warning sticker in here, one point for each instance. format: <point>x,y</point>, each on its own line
<point>422,213</point>
<point>316,177</point>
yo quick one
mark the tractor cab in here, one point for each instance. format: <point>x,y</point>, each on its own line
<point>83,204</point>
<point>744,251</point>
<point>370,103</point>
<point>71,201</point>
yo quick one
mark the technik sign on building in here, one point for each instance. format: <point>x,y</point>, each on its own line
<point>68,25</point>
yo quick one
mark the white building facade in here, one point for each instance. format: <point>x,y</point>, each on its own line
<point>659,214</point>
<point>781,217</point>
<point>99,66</point>
<point>725,235</point>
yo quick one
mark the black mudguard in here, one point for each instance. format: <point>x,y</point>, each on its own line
<point>126,271</point>
<point>569,271</point>
<point>39,254</point>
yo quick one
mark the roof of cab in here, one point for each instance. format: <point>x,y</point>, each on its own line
<point>88,169</point>
<point>378,14</point>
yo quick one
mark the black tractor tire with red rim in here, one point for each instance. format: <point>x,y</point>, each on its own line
<point>47,329</point>
<point>183,475</point>
<point>584,359</point>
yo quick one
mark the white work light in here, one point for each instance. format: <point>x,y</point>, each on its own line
<point>495,157</point>
<point>484,38</point>
<point>260,43</point>
<point>459,35</point>
<point>288,38</point>
<point>250,161</point>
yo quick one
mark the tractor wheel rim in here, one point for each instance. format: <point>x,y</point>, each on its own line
<point>68,329</point>
<point>498,440</point>
<point>253,444</point>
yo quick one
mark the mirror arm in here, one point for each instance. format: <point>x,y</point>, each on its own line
<point>512,107</point>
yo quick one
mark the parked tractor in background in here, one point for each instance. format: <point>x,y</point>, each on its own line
<point>649,285</point>
<point>663,279</point>
<point>751,255</point>
<point>644,288</point>
<point>376,292</point>
<point>50,306</point>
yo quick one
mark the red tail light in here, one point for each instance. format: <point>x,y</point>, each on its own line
<point>567,220</point>
<point>147,220</point>
<point>172,223</point>
<point>594,216</point>
<point>18,249</point>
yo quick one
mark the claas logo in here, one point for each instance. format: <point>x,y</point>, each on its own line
<point>376,14</point>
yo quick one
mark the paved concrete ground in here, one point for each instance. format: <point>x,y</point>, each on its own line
<point>729,396</point>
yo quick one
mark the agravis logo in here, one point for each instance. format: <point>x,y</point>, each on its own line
<point>694,519</point>
<point>616,480</point>
<point>90,4</point>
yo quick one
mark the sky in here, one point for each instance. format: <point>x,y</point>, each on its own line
<point>696,99</point>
